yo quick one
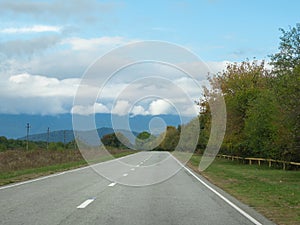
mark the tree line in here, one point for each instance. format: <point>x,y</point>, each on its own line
<point>12,144</point>
<point>262,107</point>
<point>262,104</point>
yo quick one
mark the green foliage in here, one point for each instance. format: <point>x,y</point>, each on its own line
<point>146,141</point>
<point>240,84</point>
<point>286,86</point>
<point>71,145</point>
<point>3,143</point>
<point>289,56</point>
<point>111,140</point>
<point>2,147</point>
<point>58,146</point>
<point>186,136</point>
<point>288,94</point>
<point>115,140</point>
<point>263,111</point>
<point>12,144</point>
<point>144,135</point>
<point>169,139</point>
<point>262,127</point>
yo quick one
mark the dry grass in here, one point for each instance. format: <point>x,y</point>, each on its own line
<point>20,165</point>
<point>18,159</point>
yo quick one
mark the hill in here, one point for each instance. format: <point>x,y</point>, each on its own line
<point>13,126</point>
<point>68,135</point>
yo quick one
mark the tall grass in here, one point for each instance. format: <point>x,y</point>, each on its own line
<point>19,165</point>
<point>19,159</point>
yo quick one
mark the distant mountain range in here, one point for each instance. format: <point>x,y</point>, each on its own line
<point>68,135</point>
<point>13,126</point>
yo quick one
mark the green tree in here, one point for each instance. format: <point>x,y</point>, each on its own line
<point>111,140</point>
<point>141,140</point>
<point>169,139</point>
<point>3,143</point>
<point>115,140</point>
<point>262,126</point>
<point>240,84</point>
<point>263,111</point>
<point>146,141</point>
<point>289,55</point>
<point>204,123</point>
<point>286,85</point>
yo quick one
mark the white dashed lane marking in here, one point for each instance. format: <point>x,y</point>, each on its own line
<point>85,203</point>
<point>112,184</point>
<point>125,174</point>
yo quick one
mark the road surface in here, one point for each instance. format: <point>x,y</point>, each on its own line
<point>141,191</point>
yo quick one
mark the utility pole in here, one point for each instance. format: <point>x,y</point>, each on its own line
<point>75,143</point>
<point>27,135</point>
<point>64,138</point>
<point>48,134</point>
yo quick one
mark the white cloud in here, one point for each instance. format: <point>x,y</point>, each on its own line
<point>27,47</point>
<point>93,43</point>
<point>159,106</point>
<point>36,94</point>
<point>88,110</point>
<point>53,95</point>
<point>100,108</point>
<point>139,110</point>
<point>83,12</point>
<point>27,85</point>
<point>121,108</point>
<point>73,55</point>
<point>51,54</point>
<point>31,29</point>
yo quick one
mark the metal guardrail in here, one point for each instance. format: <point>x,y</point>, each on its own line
<point>259,160</point>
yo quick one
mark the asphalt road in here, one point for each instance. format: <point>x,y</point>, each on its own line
<point>143,188</point>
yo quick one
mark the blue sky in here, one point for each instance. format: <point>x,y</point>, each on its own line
<point>45,46</point>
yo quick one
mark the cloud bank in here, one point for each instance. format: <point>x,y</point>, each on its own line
<point>31,29</point>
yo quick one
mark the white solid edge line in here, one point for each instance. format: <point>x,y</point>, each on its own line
<point>85,203</point>
<point>220,195</point>
<point>60,173</point>
<point>112,184</point>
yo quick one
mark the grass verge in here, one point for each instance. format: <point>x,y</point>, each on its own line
<point>274,193</point>
<point>17,166</point>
